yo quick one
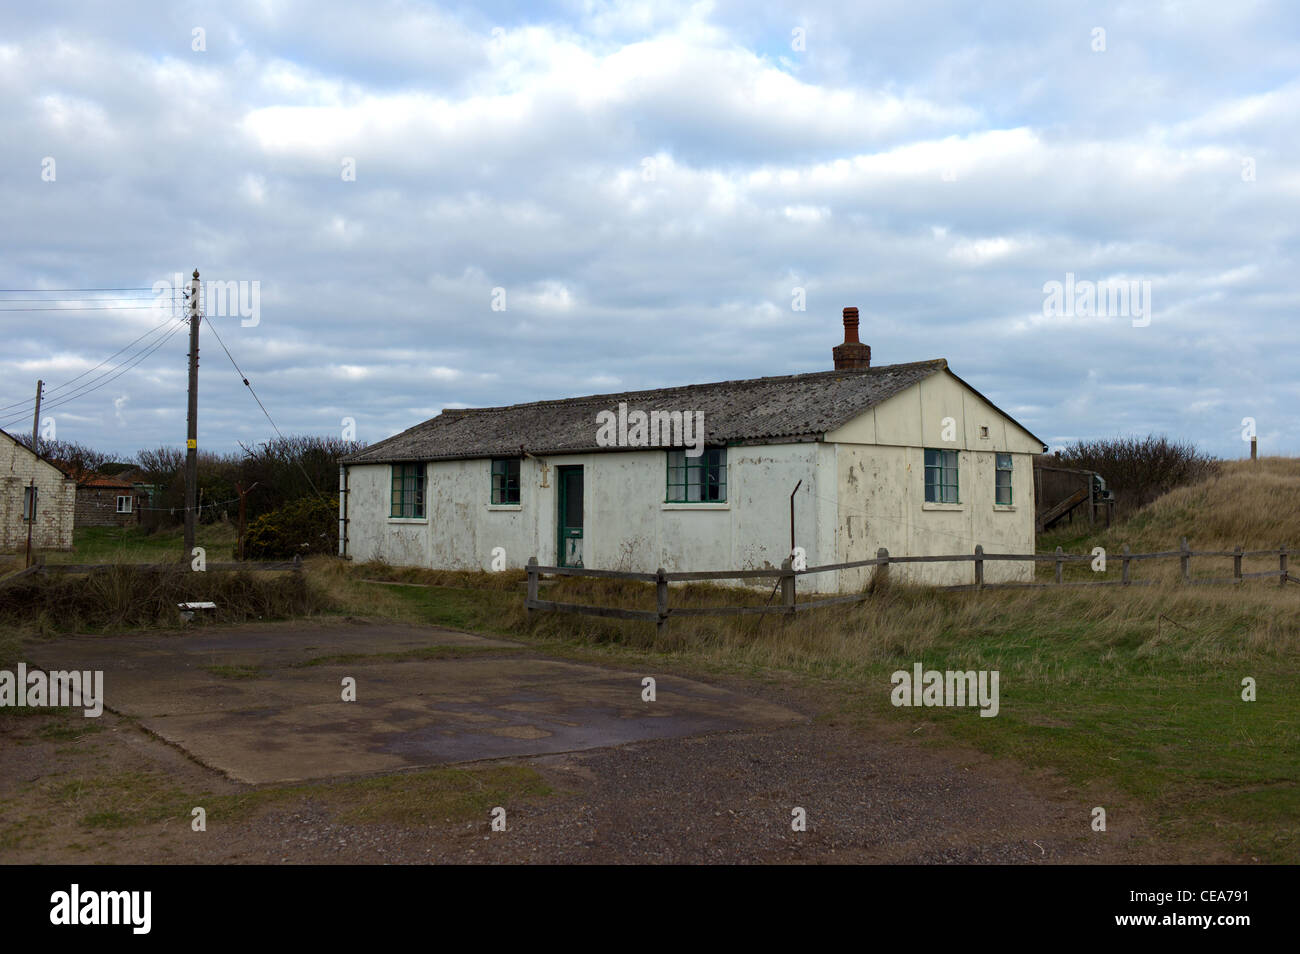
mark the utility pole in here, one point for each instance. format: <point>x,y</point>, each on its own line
<point>31,490</point>
<point>192,424</point>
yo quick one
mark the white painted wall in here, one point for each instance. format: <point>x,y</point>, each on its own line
<point>881,485</point>
<point>882,504</point>
<point>628,526</point>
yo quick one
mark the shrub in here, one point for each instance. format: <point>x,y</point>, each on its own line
<point>1140,469</point>
<point>307,525</point>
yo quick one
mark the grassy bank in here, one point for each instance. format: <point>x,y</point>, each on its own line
<point>1254,504</point>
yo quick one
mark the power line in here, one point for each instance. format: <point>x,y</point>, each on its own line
<point>90,308</point>
<point>244,378</point>
<point>27,405</point>
<point>127,365</point>
<point>113,373</point>
<point>9,291</point>
<point>53,301</point>
<point>60,387</point>
<point>222,503</point>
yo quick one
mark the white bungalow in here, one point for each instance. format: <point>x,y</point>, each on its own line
<point>907,456</point>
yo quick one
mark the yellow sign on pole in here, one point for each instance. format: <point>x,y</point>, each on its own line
<point>192,445</point>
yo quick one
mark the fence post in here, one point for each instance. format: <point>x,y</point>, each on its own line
<point>532,583</point>
<point>297,564</point>
<point>661,601</point>
<point>1060,564</point>
<point>979,566</point>
<point>1186,560</point>
<point>881,576</point>
<point>1281,556</point>
<point>1124,565</point>
<point>1236,564</point>
<point>787,585</point>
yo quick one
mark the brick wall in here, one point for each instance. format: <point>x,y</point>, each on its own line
<point>55,500</point>
<point>97,507</point>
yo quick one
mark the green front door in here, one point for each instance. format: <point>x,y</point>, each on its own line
<point>569,485</point>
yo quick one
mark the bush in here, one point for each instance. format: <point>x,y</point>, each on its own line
<point>1140,469</point>
<point>308,525</point>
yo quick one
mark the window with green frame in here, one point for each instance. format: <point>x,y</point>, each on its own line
<point>408,491</point>
<point>700,479</point>
<point>1002,482</point>
<point>940,476</point>
<point>505,480</point>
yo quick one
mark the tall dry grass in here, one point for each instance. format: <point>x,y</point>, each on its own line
<point>1255,504</point>
<point>127,596</point>
<point>1034,630</point>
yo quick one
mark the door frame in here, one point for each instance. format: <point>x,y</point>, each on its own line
<point>562,472</point>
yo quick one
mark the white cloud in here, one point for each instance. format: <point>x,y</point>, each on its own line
<point>518,163</point>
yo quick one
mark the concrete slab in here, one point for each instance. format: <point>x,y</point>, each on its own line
<point>289,722</point>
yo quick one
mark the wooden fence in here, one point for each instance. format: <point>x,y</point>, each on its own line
<point>787,575</point>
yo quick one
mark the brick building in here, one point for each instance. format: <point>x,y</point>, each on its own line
<point>105,501</point>
<point>55,500</point>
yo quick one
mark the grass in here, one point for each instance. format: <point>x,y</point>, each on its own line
<point>138,545</point>
<point>1254,504</point>
<point>119,800</point>
<point>128,799</point>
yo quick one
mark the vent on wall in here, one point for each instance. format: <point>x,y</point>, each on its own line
<point>984,431</point>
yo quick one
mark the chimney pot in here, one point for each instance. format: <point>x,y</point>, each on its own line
<point>852,355</point>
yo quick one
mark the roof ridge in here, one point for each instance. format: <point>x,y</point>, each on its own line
<point>791,406</point>
<point>737,382</point>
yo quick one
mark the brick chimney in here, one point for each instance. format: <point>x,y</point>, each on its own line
<point>853,355</point>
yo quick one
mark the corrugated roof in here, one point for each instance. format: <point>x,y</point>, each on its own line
<point>758,410</point>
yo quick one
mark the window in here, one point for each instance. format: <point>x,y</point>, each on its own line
<point>123,503</point>
<point>29,499</point>
<point>408,491</point>
<point>700,479</point>
<point>940,476</point>
<point>505,480</point>
<point>1002,484</point>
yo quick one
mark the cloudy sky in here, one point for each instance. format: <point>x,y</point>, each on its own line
<point>652,191</point>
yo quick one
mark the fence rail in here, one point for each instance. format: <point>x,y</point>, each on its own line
<point>787,576</point>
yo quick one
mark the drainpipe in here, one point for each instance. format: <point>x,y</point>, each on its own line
<point>343,511</point>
